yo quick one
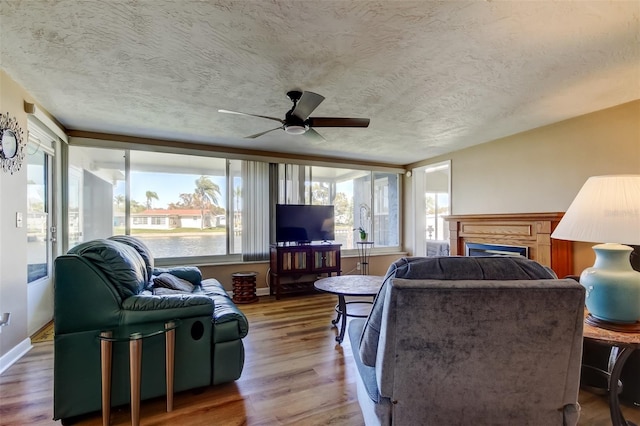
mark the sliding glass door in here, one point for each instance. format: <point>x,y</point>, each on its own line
<point>41,233</point>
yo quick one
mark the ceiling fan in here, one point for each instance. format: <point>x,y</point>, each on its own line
<point>297,121</point>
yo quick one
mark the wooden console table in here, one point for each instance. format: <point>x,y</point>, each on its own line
<point>300,266</point>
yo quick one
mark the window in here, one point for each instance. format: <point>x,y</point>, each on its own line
<point>38,219</point>
<point>432,191</point>
<point>96,209</point>
<point>158,220</point>
<point>186,207</point>
<point>139,220</point>
<point>437,202</point>
<point>386,208</point>
<point>351,193</point>
<point>177,204</point>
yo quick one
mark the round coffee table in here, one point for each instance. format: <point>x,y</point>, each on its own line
<point>349,285</point>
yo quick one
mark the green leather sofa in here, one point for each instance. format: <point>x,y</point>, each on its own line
<point>104,284</point>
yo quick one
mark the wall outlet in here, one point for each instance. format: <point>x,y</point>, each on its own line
<point>358,266</point>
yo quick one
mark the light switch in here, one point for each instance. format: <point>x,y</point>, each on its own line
<point>18,219</point>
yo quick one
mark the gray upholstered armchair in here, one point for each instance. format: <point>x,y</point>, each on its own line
<point>468,340</point>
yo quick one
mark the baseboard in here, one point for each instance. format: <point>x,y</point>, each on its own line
<point>8,359</point>
<point>262,291</point>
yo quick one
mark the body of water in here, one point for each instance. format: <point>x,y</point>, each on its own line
<point>190,245</point>
<point>207,244</point>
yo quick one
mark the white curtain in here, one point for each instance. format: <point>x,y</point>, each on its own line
<point>255,211</point>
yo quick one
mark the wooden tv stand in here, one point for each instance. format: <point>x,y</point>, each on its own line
<point>294,268</point>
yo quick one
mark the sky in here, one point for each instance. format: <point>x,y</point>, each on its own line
<point>168,186</point>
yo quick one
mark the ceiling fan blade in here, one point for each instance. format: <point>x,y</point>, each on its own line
<point>338,122</point>
<point>224,111</point>
<point>261,133</point>
<point>307,103</point>
<point>312,134</point>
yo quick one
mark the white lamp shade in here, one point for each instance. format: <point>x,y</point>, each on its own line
<point>606,210</point>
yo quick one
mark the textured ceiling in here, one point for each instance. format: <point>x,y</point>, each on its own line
<point>433,77</point>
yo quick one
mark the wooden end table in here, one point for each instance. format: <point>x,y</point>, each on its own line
<point>623,343</point>
<point>244,287</point>
<point>349,285</point>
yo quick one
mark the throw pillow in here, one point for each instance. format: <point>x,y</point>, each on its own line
<point>172,282</point>
<point>162,291</point>
<point>445,268</point>
<point>189,273</point>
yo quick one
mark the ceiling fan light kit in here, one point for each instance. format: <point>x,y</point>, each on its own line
<point>295,129</point>
<point>297,120</point>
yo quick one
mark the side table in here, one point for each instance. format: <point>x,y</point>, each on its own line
<point>134,334</point>
<point>626,342</point>
<point>244,287</point>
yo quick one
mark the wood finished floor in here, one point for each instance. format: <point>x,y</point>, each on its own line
<point>295,374</point>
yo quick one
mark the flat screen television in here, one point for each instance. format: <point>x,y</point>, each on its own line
<point>301,223</point>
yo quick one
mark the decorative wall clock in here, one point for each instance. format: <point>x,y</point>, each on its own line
<point>11,144</point>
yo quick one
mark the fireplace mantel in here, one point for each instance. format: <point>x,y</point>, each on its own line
<point>532,230</point>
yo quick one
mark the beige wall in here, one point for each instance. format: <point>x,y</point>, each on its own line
<point>543,169</point>
<point>13,240</point>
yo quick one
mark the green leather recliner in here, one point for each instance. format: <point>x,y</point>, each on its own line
<point>104,284</point>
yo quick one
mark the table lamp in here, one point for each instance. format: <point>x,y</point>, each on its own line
<point>607,210</point>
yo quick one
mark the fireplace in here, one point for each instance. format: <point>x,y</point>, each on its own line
<point>475,249</point>
<point>531,231</point>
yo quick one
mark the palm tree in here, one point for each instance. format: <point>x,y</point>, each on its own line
<point>119,199</point>
<point>207,193</point>
<point>136,207</point>
<point>150,196</point>
<point>187,201</point>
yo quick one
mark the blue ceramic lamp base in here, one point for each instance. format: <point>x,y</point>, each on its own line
<point>613,287</point>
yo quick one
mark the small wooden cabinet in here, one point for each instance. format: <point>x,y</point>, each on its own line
<point>294,268</point>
